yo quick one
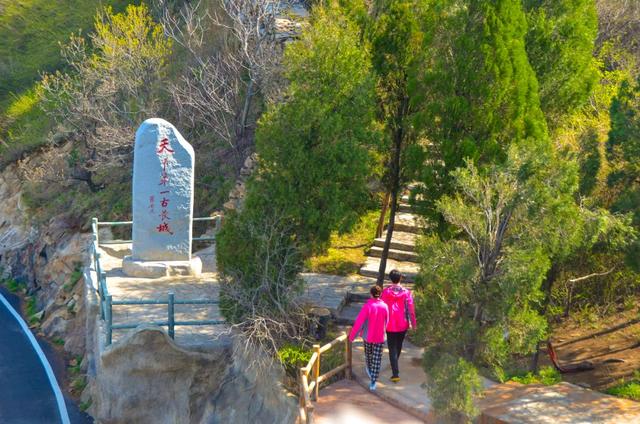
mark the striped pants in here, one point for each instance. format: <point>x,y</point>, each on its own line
<point>373,358</point>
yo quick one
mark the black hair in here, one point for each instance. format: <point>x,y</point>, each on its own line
<point>395,276</point>
<point>375,291</point>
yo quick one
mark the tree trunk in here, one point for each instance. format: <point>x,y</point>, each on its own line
<point>387,240</point>
<point>245,110</point>
<point>395,189</point>
<point>383,213</point>
<point>547,287</point>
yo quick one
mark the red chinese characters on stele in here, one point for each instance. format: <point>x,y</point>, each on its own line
<point>164,151</point>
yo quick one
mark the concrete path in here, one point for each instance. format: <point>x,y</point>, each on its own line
<point>206,286</point>
<point>29,393</point>
<point>410,392</point>
<point>346,402</point>
<point>500,403</point>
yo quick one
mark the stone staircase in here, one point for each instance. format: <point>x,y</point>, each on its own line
<point>402,256</point>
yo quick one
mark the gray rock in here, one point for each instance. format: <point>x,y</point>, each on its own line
<point>147,378</point>
<point>163,179</point>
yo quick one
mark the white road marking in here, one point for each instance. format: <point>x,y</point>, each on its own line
<point>62,407</point>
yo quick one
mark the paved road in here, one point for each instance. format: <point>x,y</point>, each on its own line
<point>26,393</point>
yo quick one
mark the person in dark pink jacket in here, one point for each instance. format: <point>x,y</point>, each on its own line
<point>402,315</point>
<point>371,323</point>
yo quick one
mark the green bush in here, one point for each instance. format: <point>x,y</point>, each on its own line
<point>452,384</point>
<point>627,389</point>
<point>547,376</point>
<point>294,357</point>
<point>12,285</point>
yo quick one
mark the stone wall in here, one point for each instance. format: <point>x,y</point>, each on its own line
<point>238,192</point>
<point>147,378</point>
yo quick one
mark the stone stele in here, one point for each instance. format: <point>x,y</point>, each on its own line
<point>163,177</point>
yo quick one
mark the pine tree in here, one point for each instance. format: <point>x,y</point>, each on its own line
<point>560,45</point>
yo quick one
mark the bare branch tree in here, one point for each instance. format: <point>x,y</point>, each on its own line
<point>266,303</point>
<point>219,86</point>
<point>107,91</point>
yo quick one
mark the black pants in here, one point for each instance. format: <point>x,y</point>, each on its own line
<point>394,342</point>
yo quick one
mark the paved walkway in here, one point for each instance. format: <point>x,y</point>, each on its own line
<point>500,403</point>
<point>331,291</point>
<point>123,287</point>
<point>346,402</point>
<point>26,392</point>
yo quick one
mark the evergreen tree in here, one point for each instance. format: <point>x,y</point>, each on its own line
<point>314,162</point>
<point>480,92</point>
<point>560,44</point>
<point>623,151</point>
<point>396,39</point>
<point>478,292</point>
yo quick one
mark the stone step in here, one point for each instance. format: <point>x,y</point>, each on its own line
<point>407,222</point>
<point>361,293</point>
<point>399,241</point>
<point>405,207</point>
<point>371,265</point>
<point>404,198</point>
<point>349,313</point>
<point>398,255</point>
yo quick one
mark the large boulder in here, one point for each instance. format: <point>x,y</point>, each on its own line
<point>147,378</point>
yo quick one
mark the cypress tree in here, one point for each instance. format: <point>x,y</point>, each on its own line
<point>481,93</point>
<point>623,151</point>
<point>560,43</point>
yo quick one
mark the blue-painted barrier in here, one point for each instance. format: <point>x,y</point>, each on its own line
<point>107,302</point>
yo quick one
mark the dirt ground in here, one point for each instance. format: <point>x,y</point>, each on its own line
<point>611,343</point>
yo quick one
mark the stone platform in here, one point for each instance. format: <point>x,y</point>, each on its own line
<point>124,287</point>
<point>159,269</point>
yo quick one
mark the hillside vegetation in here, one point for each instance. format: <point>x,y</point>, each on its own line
<point>515,124</point>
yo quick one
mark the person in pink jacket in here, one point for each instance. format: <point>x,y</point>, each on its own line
<point>402,315</point>
<point>371,323</point>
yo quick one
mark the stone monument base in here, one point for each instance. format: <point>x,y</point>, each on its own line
<point>158,269</point>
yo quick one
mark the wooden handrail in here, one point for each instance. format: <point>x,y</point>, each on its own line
<point>313,369</point>
<point>334,342</point>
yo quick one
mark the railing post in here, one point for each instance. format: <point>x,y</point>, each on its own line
<point>347,356</point>
<point>94,227</point>
<point>301,396</point>
<point>101,296</point>
<point>109,320</point>
<point>102,284</point>
<point>316,370</point>
<point>171,317</point>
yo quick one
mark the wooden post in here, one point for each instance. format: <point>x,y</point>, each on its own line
<point>171,331</point>
<point>109,320</point>
<point>385,205</point>
<point>316,370</point>
<point>347,356</point>
<point>349,360</point>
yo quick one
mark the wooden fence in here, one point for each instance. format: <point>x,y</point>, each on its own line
<point>309,377</point>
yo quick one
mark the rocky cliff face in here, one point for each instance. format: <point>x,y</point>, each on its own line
<point>146,378</point>
<point>46,260</point>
